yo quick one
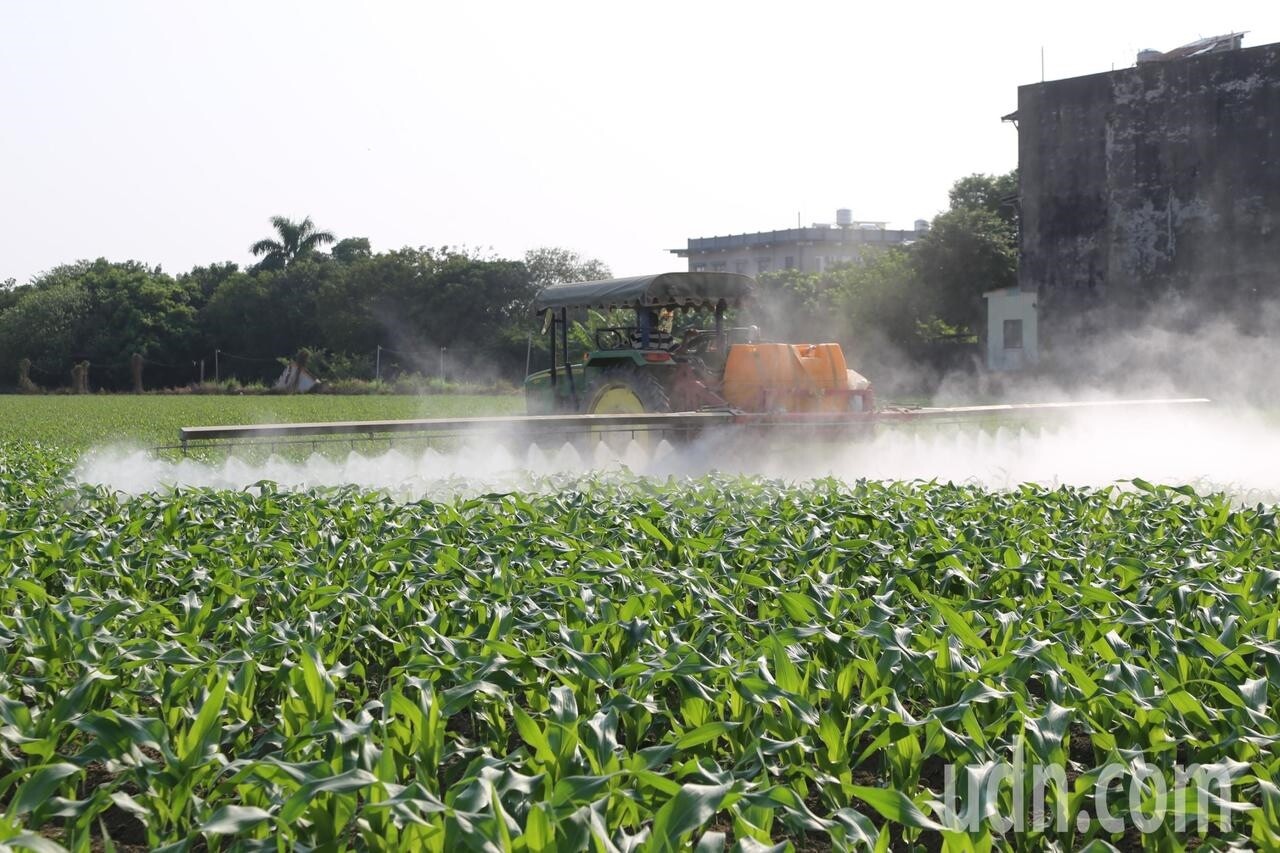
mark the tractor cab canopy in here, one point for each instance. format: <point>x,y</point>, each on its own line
<point>665,290</point>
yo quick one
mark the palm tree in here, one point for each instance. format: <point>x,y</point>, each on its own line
<point>297,240</point>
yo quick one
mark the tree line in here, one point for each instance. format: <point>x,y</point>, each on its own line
<point>351,308</point>
<point>341,305</point>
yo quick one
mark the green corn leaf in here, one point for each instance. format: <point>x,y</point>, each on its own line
<point>203,731</point>
<point>40,784</point>
<point>685,812</point>
<point>705,733</point>
<point>652,530</point>
<point>894,806</point>
<point>539,830</point>
<point>232,820</point>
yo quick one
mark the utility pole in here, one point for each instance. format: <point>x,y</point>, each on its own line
<point>217,374</point>
<point>442,351</point>
<point>377,365</point>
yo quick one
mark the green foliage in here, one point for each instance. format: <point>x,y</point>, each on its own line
<point>967,252</point>
<point>334,366</point>
<point>881,298</point>
<point>418,385</point>
<point>970,249</point>
<point>203,282</point>
<point>101,311</point>
<point>618,664</point>
<point>418,300</point>
<point>44,325</point>
<point>9,293</point>
<point>900,300</point>
<point>582,331</point>
<point>267,314</point>
<point>351,249</point>
<point>550,265</point>
<point>343,307</point>
<point>871,306</point>
<point>466,301</point>
<point>996,194</point>
<point>294,241</point>
<point>134,309</point>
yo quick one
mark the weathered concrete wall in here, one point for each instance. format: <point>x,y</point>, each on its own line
<point>1159,179</point>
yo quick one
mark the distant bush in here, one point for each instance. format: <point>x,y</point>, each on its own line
<point>413,384</point>
<point>353,387</point>
<point>225,386</point>
<point>340,365</point>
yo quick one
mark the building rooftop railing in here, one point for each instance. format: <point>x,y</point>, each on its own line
<point>796,235</point>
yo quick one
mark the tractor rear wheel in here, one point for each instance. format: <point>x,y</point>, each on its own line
<point>626,391</point>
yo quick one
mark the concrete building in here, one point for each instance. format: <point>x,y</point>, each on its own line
<point>811,249</point>
<point>1012,335</point>
<point>1152,182</point>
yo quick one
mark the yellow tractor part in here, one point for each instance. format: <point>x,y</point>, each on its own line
<point>789,378</point>
<point>625,391</point>
<point>616,400</point>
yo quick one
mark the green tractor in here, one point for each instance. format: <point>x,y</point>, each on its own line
<point>636,368</point>
<point>642,368</point>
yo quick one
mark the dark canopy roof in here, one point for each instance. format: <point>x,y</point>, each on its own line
<point>670,289</point>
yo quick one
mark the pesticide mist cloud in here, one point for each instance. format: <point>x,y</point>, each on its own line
<point>1211,450</point>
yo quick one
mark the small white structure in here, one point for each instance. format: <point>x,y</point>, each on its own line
<point>1012,342</point>
<point>296,379</point>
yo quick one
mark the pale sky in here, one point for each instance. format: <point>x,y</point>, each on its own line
<point>169,132</point>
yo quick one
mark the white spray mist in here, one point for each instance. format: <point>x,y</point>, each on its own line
<point>1207,448</point>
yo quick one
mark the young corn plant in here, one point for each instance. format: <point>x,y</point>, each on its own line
<point>621,664</point>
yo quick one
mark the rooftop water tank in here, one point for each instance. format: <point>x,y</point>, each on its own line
<point>1149,55</point>
<point>922,225</point>
<point>844,217</point>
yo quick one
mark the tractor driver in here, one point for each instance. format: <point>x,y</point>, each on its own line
<point>666,321</point>
<point>660,324</point>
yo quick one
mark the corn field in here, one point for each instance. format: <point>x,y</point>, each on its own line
<point>617,664</point>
